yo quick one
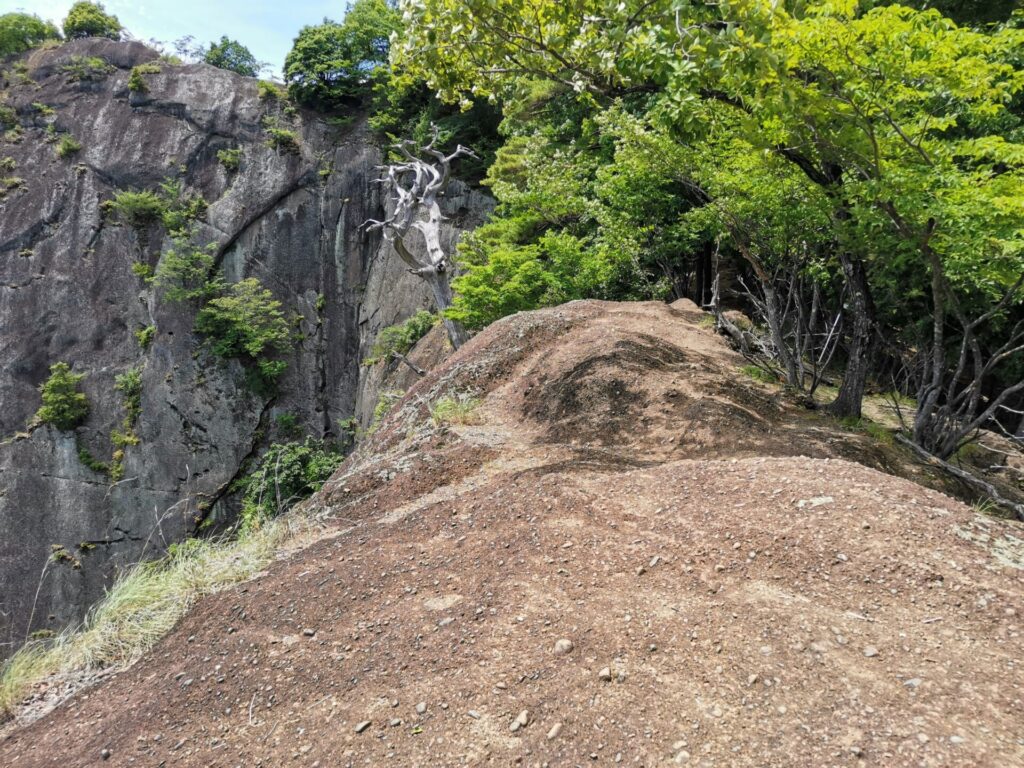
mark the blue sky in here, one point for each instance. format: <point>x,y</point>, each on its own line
<point>266,27</point>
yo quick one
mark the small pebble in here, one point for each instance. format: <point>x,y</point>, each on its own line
<point>360,727</point>
<point>309,632</point>
<point>521,721</point>
<point>563,647</point>
<point>421,708</point>
<point>870,651</point>
<point>105,754</point>
<point>557,729</point>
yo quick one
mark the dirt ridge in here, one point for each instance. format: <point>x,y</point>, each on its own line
<point>734,589</point>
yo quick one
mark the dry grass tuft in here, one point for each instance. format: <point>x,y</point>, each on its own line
<point>146,603</point>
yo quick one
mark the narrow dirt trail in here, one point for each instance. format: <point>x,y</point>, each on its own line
<point>733,589</point>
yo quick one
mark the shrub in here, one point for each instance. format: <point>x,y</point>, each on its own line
<point>91,20</point>
<point>20,32</point>
<point>288,424</point>
<point>136,81</point>
<point>233,56</point>
<point>269,91</point>
<point>8,164</point>
<point>385,403</point>
<point>231,159</point>
<point>247,322</point>
<point>185,272</point>
<point>401,338</point>
<point>64,406</point>
<point>180,209</point>
<point>129,384</point>
<point>282,139</point>
<point>43,109</point>
<point>137,209</point>
<point>142,270</point>
<point>286,474</point>
<point>68,146</point>
<point>86,68</point>
<point>174,209</point>
<point>145,336</point>
<point>8,117</point>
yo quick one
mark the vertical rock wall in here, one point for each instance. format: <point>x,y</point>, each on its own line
<point>68,292</point>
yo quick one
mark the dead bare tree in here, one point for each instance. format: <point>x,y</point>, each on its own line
<point>951,399</point>
<point>416,185</point>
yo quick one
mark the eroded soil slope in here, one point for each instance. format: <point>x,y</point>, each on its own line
<point>727,598</point>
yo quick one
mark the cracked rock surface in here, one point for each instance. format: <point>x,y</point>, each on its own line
<point>68,293</point>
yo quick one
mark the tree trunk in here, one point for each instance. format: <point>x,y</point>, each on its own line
<point>851,391</point>
<point>704,276</point>
<point>441,287</point>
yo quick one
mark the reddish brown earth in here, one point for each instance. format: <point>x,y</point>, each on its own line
<point>730,601</point>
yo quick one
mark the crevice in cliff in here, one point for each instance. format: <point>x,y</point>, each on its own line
<point>303,181</point>
<point>213,499</point>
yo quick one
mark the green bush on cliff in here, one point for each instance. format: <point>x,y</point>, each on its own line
<point>86,68</point>
<point>286,474</point>
<point>247,323</point>
<point>64,406</point>
<point>282,139</point>
<point>137,81</point>
<point>186,272</point>
<point>400,338</point>
<point>136,209</point>
<point>67,146</point>
<point>91,20</point>
<point>231,159</point>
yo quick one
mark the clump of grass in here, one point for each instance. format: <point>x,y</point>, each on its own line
<point>67,146</point>
<point>146,603</point>
<point>385,403</point>
<point>459,408</point>
<point>758,373</point>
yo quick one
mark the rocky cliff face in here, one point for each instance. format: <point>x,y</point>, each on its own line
<point>68,293</point>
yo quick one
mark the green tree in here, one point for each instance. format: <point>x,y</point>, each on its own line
<point>232,55</point>
<point>331,63</point>
<point>91,20</point>
<point>64,406</point>
<point>872,106</point>
<point>247,323</point>
<point>20,32</point>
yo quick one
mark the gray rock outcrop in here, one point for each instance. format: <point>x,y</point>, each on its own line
<point>292,219</point>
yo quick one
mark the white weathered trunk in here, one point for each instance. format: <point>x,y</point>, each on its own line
<point>417,208</point>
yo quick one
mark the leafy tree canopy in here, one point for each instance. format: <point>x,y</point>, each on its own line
<point>330,63</point>
<point>232,55</point>
<point>20,32</point>
<point>91,20</point>
<point>875,147</point>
